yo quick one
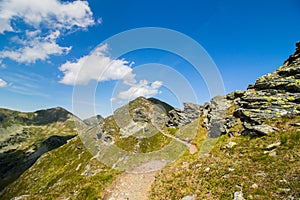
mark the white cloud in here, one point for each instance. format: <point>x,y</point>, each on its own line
<point>37,48</point>
<point>143,88</point>
<point>45,21</point>
<point>97,66</point>
<point>156,84</point>
<point>52,14</point>
<point>2,83</point>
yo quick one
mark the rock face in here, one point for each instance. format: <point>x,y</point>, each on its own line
<point>178,117</point>
<point>217,122</point>
<point>214,115</point>
<point>274,95</point>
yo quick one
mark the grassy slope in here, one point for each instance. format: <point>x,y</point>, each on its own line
<point>69,171</point>
<point>23,136</point>
<point>133,143</point>
<point>222,172</point>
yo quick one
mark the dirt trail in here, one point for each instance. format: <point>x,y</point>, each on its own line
<point>192,148</point>
<point>136,183</point>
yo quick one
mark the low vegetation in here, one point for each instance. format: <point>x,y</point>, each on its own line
<point>249,166</point>
<point>69,171</point>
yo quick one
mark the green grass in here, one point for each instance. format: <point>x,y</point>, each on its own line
<point>154,143</point>
<point>127,144</point>
<point>143,145</point>
<point>69,171</point>
<point>171,131</point>
<point>110,125</point>
<point>21,138</point>
<point>272,174</point>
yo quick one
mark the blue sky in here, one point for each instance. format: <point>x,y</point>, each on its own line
<point>43,44</point>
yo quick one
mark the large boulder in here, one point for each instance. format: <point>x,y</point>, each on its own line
<point>218,121</point>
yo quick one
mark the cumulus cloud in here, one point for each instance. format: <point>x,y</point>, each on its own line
<point>37,48</point>
<point>2,83</point>
<point>98,66</point>
<point>142,88</point>
<point>52,14</point>
<point>45,21</point>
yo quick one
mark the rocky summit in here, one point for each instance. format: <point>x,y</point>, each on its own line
<point>244,145</point>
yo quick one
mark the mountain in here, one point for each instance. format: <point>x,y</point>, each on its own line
<point>24,137</point>
<point>72,171</point>
<point>244,145</point>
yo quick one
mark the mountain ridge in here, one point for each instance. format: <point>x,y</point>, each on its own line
<point>25,136</point>
<point>247,146</point>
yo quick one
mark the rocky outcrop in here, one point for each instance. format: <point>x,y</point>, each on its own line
<point>93,121</point>
<point>214,114</point>
<point>178,117</point>
<point>140,115</point>
<point>217,121</point>
<point>274,95</point>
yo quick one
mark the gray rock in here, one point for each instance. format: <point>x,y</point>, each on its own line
<point>178,118</point>
<point>140,115</point>
<point>175,118</point>
<point>192,110</point>
<point>230,145</point>
<point>190,197</point>
<point>93,121</point>
<point>272,96</point>
<point>108,139</point>
<point>226,176</point>
<point>236,94</point>
<point>217,116</point>
<point>263,129</point>
<point>238,195</point>
<point>296,124</point>
<point>25,196</point>
<point>273,153</point>
<point>272,146</point>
